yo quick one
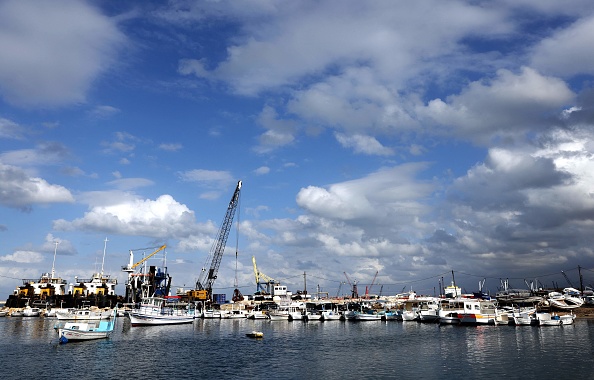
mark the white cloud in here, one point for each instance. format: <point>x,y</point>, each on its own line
<point>387,193</point>
<point>205,177</point>
<point>32,72</point>
<point>363,144</point>
<point>26,257</point>
<point>130,183</point>
<point>172,147</point>
<point>568,51</point>
<point>159,218</point>
<point>19,190</point>
<point>510,104</point>
<point>262,170</point>
<point>10,130</point>
<point>47,153</point>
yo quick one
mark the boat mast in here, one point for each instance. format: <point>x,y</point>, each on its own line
<point>103,261</point>
<point>54,263</point>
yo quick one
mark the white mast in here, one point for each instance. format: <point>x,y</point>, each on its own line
<point>54,263</point>
<point>103,262</point>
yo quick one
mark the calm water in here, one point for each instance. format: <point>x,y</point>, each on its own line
<point>218,349</point>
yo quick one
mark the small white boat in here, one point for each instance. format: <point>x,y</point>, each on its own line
<point>548,319</point>
<point>409,315</point>
<point>257,314</point>
<point>211,314</point>
<point>31,312</point>
<point>279,316</point>
<point>83,314</point>
<point>330,315</point>
<point>3,313</point>
<point>368,316</point>
<point>17,313</point>
<point>315,315</point>
<point>87,330</point>
<point>234,314</point>
<point>567,319</point>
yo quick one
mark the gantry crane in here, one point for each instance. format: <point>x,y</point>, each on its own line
<point>261,279</point>
<point>206,280</point>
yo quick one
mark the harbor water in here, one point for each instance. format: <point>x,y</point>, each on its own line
<point>219,349</point>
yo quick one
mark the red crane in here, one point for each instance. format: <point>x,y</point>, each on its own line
<point>367,290</point>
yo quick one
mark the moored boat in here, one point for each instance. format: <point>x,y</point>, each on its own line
<point>86,314</point>
<point>158,311</point>
<point>87,330</point>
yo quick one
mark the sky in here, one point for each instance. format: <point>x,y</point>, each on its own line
<point>397,145</point>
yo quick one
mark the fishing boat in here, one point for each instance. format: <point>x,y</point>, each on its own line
<point>86,314</point>
<point>478,312</point>
<point>567,319</point>
<point>88,330</point>
<point>31,312</point>
<point>160,311</point>
<point>331,315</point>
<point>234,314</point>
<point>548,319</point>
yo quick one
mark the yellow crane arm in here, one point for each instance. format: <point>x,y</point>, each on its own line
<point>149,256</point>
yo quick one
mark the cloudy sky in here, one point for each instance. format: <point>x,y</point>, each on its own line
<point>407,139</point>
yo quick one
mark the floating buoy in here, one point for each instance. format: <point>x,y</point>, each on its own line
<point>255,334</point>
<point>63,340</point>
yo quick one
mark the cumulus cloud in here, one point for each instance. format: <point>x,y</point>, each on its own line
<point>160,218</point>
<point>19,190</point>
<point>32,73</point>
<point>510,104</point>
<point>262,170</point>
<point>392,38</point>
<point>391,192</point>
<point>550,54</point>
<point>24,257</point>
<point>364,144</point>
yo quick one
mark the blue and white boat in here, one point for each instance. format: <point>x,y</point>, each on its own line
<point>87,330</point>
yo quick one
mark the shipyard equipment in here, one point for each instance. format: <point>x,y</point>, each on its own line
<point>142,282</point>
<point>203,291</point>
<point>262,280</point>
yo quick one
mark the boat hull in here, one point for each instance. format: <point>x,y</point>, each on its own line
<point>82,335</point>
<point>139,319</point>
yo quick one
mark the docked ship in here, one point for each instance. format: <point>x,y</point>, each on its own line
<point>50,291</point>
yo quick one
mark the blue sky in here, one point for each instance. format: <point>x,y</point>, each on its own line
<point>407,139</point>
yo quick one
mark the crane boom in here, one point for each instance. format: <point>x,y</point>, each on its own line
<point>133,266</point>
<point>207,279</point>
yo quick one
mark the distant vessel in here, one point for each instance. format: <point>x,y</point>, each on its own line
<point>43,290</point>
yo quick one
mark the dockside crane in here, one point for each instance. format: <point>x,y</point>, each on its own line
<point>368,289</point>
<point>354,291</point>
<point>262,279</point>
<point>206,280</point>
<point>138,281</point>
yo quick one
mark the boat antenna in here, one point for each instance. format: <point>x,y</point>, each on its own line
<point>54,263</point>
<point>104,249</point>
